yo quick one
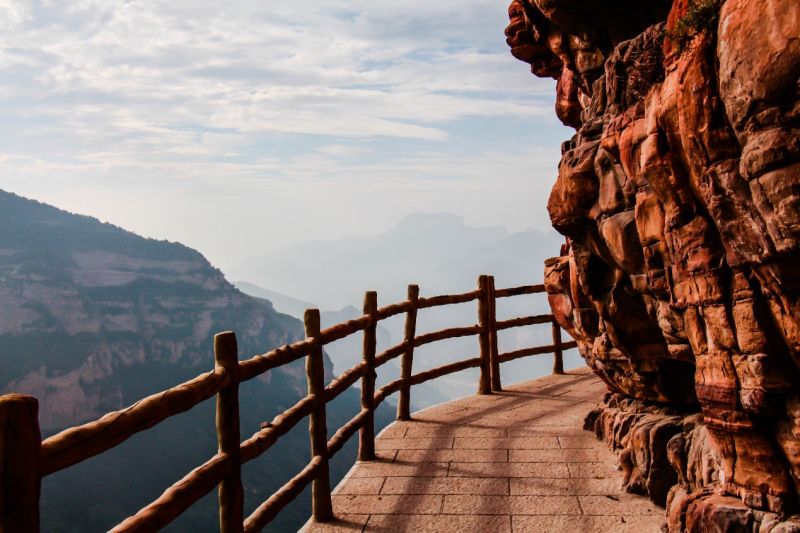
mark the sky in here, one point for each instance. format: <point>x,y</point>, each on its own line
<point>242,127</point>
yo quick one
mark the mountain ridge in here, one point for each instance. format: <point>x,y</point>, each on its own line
<point>95,318</point>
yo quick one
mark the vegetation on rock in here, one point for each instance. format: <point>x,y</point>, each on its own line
<point>700,16</point>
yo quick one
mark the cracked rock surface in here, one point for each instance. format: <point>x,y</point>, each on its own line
<point>679,196</point>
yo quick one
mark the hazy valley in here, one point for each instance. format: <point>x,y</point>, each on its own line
<point>94,318</point>
<point>441,254</point>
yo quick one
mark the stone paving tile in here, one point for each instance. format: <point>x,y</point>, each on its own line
<point>526,419</point>
<point>439,524</point>
<point>414,444</point>
<point>550,470</point>
<point>580,407</point>
<point>519,443</point>
<point>445,485</point>
<point>360,485</point>
<point>387,504</point>
<point>586,441</point>
<point>393,432</point>
<point>367,469</point>
<point>575,455</point>
<point>623,504</point>
<point>564,418</point>
<point>343,523</point>
<point>440,430</point>
<point>383,456</point>
<point>444,415</point>
<point>553,386</point>
<point>535,404</point>
<point>593,470</point>
<point>584,524</point>
<point>573,407</point>
<point>544,401</point>
<point>555,486</point>
<point>514,505</point>
<point>544,430</point>
<point>461,456</point>
<point>579,394</point>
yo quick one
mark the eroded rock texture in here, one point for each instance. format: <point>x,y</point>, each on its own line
<point>680,198</point>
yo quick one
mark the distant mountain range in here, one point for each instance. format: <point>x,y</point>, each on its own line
<point>439,253</point>
<point>94,317</point>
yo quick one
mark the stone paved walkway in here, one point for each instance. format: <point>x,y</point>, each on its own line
<point>515,461</point>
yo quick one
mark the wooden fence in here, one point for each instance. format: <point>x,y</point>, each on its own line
<point>26,458</point>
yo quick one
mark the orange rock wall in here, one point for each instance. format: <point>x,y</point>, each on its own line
<point>680,198</point>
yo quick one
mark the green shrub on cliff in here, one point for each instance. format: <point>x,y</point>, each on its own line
<point>700,16</point>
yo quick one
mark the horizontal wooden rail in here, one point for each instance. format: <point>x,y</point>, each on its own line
<point>257,365</point>
<point>519,291</point>
<point>391,353</point>
<point>450,333</point>
<point>448,299</point>
<point>538,350</point>
<point>79,443</point>
<point>524,321</point>
<point>344,433</point>
<point>387,390</point>
<point>340,331</point>
<point>262,440</point>
<point>392,310</point>
<point>179,497</point>
<point>275,503</point>
<point>438,372</point>
<point>223,470</point>
<point>344,381</point>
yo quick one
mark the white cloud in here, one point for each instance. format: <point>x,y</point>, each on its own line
<point>254,67</point>
<point>273,98</point>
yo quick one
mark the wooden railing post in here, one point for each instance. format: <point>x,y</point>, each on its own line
<point>321,506</point>
<point>494,354</point>
<point>484,385</point>
<point>404,403</point>
<point>558,354</point>
<point>366,442</point>
<point>20,445</point>
<point>231,495</point>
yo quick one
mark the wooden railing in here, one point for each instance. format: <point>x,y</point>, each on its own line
<point>27,459</point>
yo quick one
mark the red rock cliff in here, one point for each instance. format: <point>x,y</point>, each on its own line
<point>680,198</point>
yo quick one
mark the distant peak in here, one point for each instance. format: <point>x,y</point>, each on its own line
<point>440,223</point>
<point>416,220</point>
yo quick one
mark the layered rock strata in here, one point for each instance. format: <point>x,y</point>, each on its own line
<point>679,196</point>
<point>668,455</point>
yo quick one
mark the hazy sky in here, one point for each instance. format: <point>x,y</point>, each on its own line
<point>244,126</point>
